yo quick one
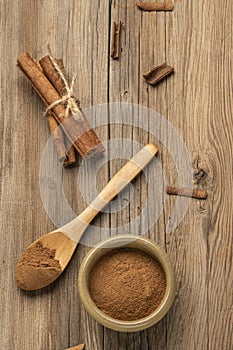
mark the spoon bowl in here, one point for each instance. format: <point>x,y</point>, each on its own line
<point>38,274</point>
<point>45,259</point>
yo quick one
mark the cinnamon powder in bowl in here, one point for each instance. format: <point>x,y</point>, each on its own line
<point>127,283</point>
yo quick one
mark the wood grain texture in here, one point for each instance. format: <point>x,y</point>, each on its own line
<point>196,39</point>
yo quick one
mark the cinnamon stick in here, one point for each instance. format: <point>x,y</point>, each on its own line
<point>69,157</point>
<point>77,128</point>
<point>116,38</point>
<point>155,6</point>
<point>52,74</point>
<point>56,132</point>
<point>58,138</point>
<point>65,153</point>
<point>187,192</point>
<point>158,73</point>
<point>78,347</point>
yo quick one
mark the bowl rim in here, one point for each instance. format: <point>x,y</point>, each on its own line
<point>146,245</point>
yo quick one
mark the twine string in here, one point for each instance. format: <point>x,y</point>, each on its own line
<point>68,99</point>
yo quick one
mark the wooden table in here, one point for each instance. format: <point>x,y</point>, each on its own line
<point>196,38</point>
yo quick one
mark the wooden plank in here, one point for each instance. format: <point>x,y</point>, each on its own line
<point>127,85</point>
<point>53,318</point>
<point>197,117</point>
<point>219,147</point>
<point>187,244</point>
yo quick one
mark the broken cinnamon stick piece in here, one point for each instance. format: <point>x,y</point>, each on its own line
<point>76,127</point>
<point>158,73</point>
<point>78,347</point>
<point>155,6</point>
<point>186,192</point>
<point>116,38</point>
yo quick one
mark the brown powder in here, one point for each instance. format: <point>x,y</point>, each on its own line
<point>36,267</point>
<point>127,284</point>
<point>39,256</point>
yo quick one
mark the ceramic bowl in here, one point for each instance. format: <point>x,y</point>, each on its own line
<point>132,241</point>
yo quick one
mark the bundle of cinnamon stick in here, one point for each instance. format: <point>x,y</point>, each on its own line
<point>70,132</point>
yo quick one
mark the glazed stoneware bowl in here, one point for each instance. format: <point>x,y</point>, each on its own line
<point>130,241</point>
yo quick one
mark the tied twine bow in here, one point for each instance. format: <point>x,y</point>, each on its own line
<point>68,100</point>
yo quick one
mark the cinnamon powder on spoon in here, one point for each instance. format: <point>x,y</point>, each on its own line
<point>38,263</point>
<point>127,284</point>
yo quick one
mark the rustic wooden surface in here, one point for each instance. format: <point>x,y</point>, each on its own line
<point>196,38</point>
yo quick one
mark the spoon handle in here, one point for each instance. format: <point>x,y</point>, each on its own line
<point>125,175</point>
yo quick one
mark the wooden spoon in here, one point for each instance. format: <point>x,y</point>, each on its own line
<point>33,271</point>
<point>77,347</point>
